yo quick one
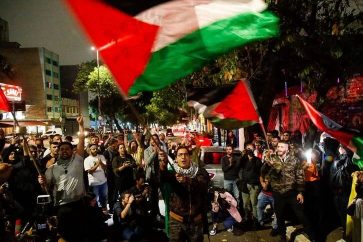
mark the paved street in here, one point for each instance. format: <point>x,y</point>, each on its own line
<point>261,235</point>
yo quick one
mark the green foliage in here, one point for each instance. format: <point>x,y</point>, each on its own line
<point>84,69</point>
<point>100,81</point>
<point>166,105</point>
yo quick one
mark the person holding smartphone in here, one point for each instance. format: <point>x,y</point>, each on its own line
<point>123,168</point>
<point>126,218</point>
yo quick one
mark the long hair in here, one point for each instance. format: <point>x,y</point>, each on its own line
<point>130,143</point>
<point>118,148</point>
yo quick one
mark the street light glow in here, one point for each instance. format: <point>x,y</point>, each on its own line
<point>308,154</point>
<point>93,48</point>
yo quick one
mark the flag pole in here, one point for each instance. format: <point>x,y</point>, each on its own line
<point>27,148</point>
<point>264,132</point>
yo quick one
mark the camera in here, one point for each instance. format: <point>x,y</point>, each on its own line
<point>43,199</point>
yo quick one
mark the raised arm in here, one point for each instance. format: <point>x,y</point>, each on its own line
<point>26,151</point>
<point>80,146</point>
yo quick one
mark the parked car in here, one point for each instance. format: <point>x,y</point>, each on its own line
<point>169,133</point>
<point>211,159</point>
<point>52,132</point>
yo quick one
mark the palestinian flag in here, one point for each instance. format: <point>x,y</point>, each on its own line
<point>4,103</point>
<point>149,44</point>
<point>228,107</point>
<point>349,138</point>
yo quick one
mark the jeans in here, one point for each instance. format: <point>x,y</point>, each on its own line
<point>101,194</point>
<point>262,201</point>
<point>132,233</point>
<point>231,187</point>
<point>228,222</point>
<point>250,200</point>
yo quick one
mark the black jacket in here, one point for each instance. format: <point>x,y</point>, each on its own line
<point>250,170</point>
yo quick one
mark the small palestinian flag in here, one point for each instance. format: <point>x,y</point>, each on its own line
<point>228,107</point>
<point>149,44</point>
<point>350,138</point>
<point>4,103</point>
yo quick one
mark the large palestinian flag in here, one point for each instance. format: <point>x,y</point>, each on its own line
<point>149,44</point>
<point>228,107</point>
<point>350,138</point>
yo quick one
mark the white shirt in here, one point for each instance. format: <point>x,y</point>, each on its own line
<point>67,182</point>
<point>46,152</point>
<point>98,177</point>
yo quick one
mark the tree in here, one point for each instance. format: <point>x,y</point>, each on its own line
<point>112,105</point>
<point>100,81</point>
<point>165,105</point>
<point>84,70</point>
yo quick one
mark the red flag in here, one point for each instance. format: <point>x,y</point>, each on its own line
<point>239,105</point>
<point>4,103</point>
<point>124,42</point>
<point>327,125</point>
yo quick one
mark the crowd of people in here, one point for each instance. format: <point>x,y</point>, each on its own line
<point>124,176</point>
<point>314,185</point>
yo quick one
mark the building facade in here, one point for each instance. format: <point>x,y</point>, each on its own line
<point>4,31</point>
<point>36,71</point>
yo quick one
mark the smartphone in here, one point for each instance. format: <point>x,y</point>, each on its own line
<point>43,199</point>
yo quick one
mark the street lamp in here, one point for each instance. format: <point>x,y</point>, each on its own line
<point>98,81</point>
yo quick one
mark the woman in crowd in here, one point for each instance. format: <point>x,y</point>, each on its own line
<point>224,209</point>
<point>123,167</point>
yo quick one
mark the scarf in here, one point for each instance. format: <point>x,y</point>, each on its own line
<point>191,172</point>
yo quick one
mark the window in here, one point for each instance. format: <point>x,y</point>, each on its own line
<point>49,97</point>
<point>48,72</point>
<point>55,63</point>
<point>56,86</point>
<point>49,109</point>
<point>56,98</point>
<point>56,109</point>
<point>48,84</point>
<point>48,60</point>
<point>55,74</point>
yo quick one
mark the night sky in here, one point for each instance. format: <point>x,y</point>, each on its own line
<point>46,23</point>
